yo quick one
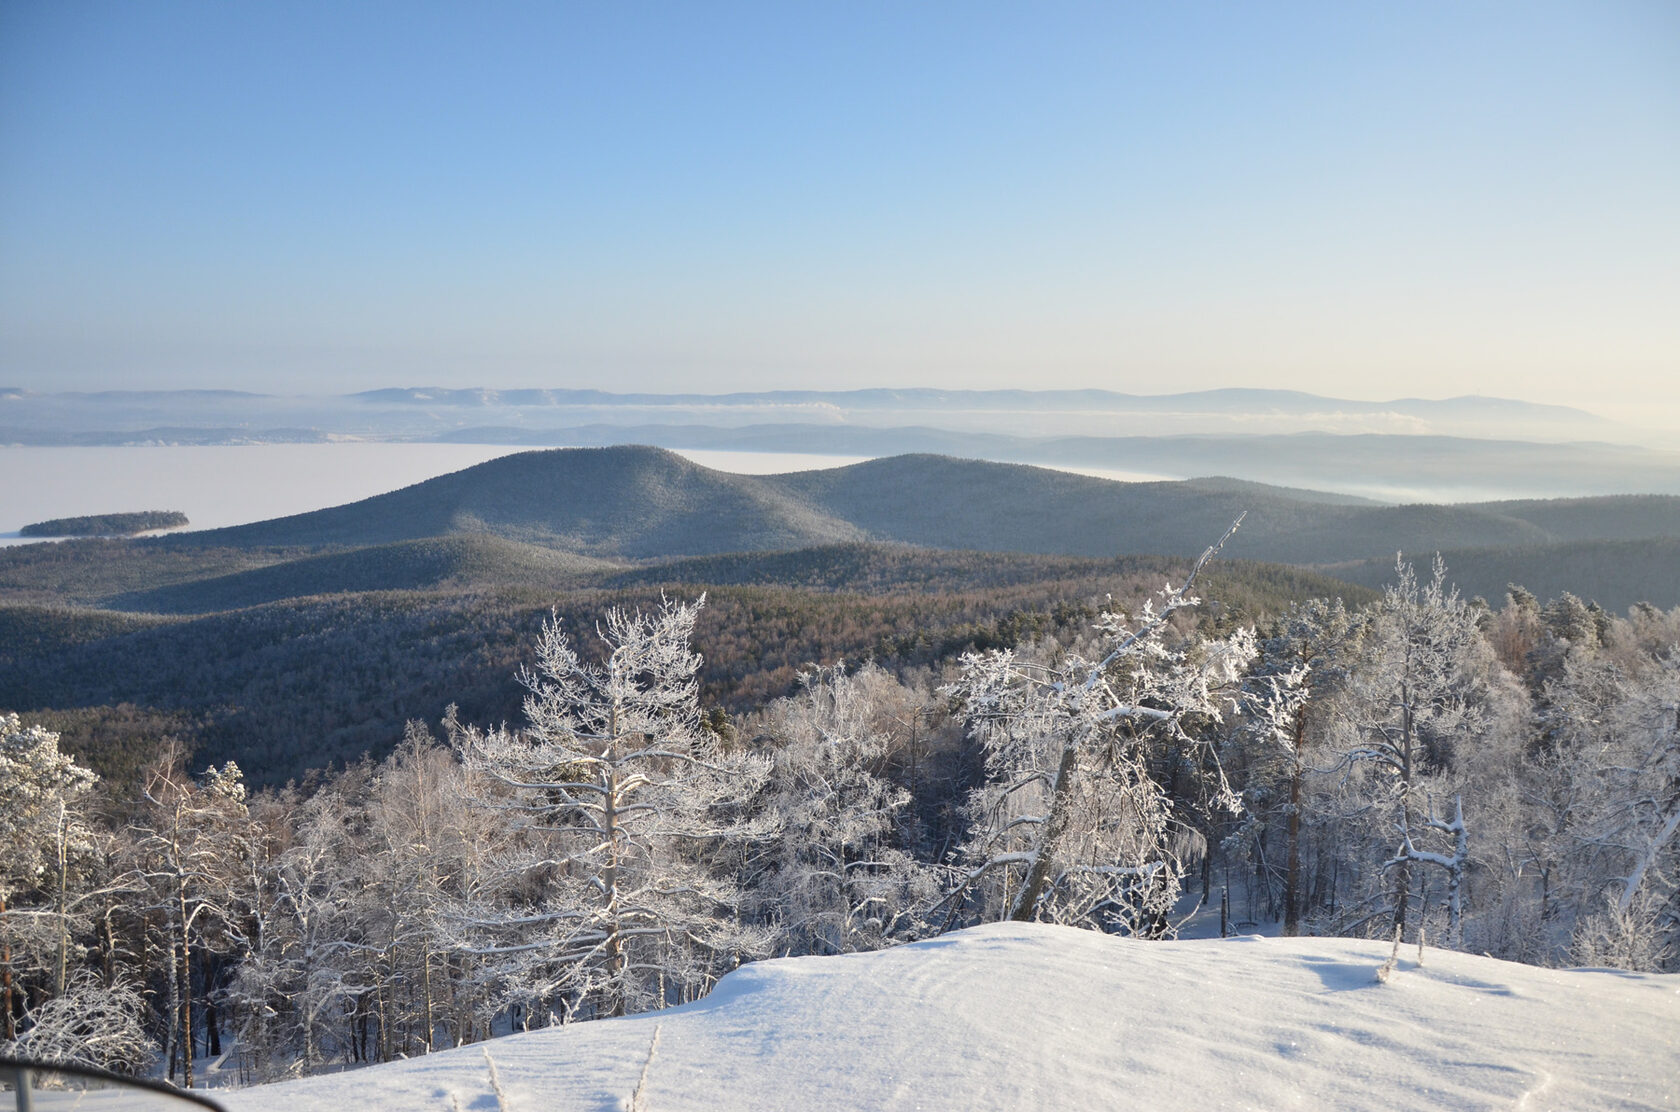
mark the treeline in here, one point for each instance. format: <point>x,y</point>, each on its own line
<point>1617,574</point>
<point>1419,768</point>
<point>1509,778</point>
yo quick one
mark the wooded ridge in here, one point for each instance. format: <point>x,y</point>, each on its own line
<point>106,525</point>
<point>638,503</point>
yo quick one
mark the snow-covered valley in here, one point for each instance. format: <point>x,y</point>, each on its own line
<point>1016,1016</point>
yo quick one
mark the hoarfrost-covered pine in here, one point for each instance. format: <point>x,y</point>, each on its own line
<point>624,804</point>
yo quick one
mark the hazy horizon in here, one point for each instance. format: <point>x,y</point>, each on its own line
<point>1426,201</point>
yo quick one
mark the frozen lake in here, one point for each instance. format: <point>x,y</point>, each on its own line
<point>234,484</point>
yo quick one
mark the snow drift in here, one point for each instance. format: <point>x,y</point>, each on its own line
<point>1029,1016</point>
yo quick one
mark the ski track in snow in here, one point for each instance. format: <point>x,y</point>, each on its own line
<point>1026,1016</point>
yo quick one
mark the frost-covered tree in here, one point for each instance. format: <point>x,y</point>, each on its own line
<point>88,1024</point>
<point>319,948</point>
<point>1632,937</point>
<point>1613,759</point>
<point>622,797</point>
<point>1301,669</point>
<point>259,929</point>
<point>837,876</point>
<point>186,846</point>
<point>344,917</point>
<point>42,794</point>
<point>1073,824</point>
<point>1420,701</point>
<point>424,842</point>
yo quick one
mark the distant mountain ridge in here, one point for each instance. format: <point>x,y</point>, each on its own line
<point>1381,466</point>
<point>1391,467</point>
<point>108,411</point>
<point>643,503</point>
<point>1225,400</point>
<point>1466,448</point>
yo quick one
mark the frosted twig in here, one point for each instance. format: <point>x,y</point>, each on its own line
<point>638,1099</point>
<point>496,1083</point>
<point>1386,970</point>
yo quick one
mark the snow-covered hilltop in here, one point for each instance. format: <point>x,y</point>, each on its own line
<point>1017,1016</point>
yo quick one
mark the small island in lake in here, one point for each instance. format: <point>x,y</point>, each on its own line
<point>106,525</point>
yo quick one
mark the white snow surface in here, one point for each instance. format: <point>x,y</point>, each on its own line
<point>1022,1016</point>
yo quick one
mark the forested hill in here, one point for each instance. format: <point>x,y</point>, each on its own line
<point>643,503</point>
<point>950,503</point>
<point>626,502</point>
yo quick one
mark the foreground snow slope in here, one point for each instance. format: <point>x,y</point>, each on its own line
<point>1026,1016</point>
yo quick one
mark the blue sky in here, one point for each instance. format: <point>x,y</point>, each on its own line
<point>1358,199</point>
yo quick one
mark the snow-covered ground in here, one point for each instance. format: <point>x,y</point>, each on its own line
<point>1025,1017</point>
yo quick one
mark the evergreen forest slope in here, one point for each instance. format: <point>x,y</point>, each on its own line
<point>429,564</point>
<point>286,685</point>
<point>1614,574</point>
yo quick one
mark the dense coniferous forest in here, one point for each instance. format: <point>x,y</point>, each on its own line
<point>106,525</point>
<point>298,683</point>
